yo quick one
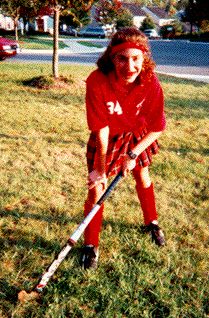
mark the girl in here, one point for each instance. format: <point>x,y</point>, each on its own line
<point>125,114</point>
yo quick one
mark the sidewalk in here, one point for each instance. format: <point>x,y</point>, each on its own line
<point>73,47</point>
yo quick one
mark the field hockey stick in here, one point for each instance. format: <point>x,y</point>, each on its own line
<point>34,294</point>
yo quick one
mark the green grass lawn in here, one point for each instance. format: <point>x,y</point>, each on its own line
<point>38,42</point>
<point>46,42</point>
<point>90,44</point>
<point>43,136</point>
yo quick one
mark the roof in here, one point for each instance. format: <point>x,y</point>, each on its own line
<point>134,9</point>
<point>159,12</point>
<point>45,10</point>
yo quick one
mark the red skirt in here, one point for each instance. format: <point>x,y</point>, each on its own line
<point>118,147</point>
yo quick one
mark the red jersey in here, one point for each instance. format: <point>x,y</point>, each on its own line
<point>109,104</point>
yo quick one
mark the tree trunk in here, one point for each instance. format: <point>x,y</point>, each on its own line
<point>16,30</point>
<point>25,20</point>
<point>55,63</point>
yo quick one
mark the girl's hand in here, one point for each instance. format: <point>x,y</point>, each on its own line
<point>95,178</point>
<point>128,165</point>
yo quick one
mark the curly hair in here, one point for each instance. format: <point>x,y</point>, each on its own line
<point>127,34</point>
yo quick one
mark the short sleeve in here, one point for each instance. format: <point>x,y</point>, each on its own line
<point>155,116</point>
<point>97,116</point>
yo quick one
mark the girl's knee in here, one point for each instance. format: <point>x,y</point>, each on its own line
<point>95,194</point>
<point>142,176</point>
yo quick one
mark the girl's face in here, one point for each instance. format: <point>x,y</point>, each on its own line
<point>128,65</point>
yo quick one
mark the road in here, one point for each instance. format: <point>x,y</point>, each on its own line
<point>182,58</point>
<point>176,57</point>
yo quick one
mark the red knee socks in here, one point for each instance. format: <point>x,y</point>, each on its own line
<point>147,200</point>
<point>91,235</point>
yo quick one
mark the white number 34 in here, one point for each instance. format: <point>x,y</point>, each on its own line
<point>114,108</point>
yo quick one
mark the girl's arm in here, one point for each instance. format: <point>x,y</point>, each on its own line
<point>102,144</point>
<point>146,142</point>
<point>129,163</point>
<point>99,174</point>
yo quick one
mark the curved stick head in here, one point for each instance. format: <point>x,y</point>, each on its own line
<point>24,296</point>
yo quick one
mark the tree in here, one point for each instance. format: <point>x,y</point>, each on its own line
<point>124,18</point>
<point>171,7</point>
<point>59,6</point>
<point>196,12</point>
<point>112,12</point>
<point>148,23</point>
<point>78,19</point>
<point>76,8</point>
<point>77,13</point>
<point>13,9</point>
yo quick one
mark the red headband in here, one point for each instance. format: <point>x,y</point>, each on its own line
<point>127,45</point>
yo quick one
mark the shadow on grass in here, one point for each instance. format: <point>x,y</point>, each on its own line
<point>8,292</point>
<point>60,219</point>
<point>186,150</point>
<point>12,137</point>
<point>73,133</point>
<point>67,280</point>
<point>124,227</point>
<point>51,139</point>
<point>19,238</point>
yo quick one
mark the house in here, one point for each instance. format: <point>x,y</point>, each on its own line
<point>44,22</point>
<point>138,14</point>
<point>6,23</point>
<point>96,22</point>
<point>159,16</point>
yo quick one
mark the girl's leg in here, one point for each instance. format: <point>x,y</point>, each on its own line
<point>146,197</point>
<point>91,235</point>
<point>144,188</point>
<point>90,252</point>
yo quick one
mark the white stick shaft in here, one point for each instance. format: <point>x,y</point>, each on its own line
<point>76,235</point>
<point>53,267</point>
<point>65,250</point>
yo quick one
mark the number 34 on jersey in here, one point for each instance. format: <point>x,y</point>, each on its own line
<point>114,108</point>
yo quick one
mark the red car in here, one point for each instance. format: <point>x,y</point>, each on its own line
<point>8,48</point>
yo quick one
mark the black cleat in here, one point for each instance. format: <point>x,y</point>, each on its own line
<point>89,257</point>
<point>156,234</point>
